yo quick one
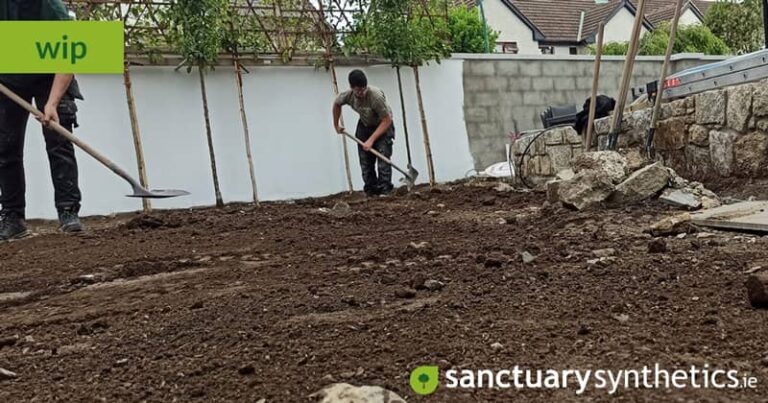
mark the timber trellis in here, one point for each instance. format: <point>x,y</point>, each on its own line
<point>261,33</point>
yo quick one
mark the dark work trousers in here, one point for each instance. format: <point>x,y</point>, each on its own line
<point>381,183</point>
<point>61,153</point>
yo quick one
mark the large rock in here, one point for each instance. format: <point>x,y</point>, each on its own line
<point>603,126</point>
<point>710,108</point>
<point>760,97</point>
<point>570,136</point>
<point>749,154</point>
<point>587,189</point>
<point>679,107</point>
<point>698,135</point>
<point>641,185</point>
<point>682,198</point>
<point>346,393</point>
<point>721,151</point>
<point>522,143</point>
<point>675,159</point>
<point>554,136</point>
<point>560,157</point>
<point>698,161</point>
<point>739,106</point>
<point>671,225</point>
<point>611,163</point>
<point>676,181</point>
<point>635,160</point>
<point>670,135</point>
<point>637,119</point>
<point>553,190</point>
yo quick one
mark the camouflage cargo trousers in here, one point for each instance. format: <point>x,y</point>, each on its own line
<point>381,182</point>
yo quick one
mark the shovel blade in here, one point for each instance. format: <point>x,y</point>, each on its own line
<point>410,178</point>
<point>157,193</point>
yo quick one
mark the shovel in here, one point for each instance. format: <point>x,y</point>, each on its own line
<point>138,190</point>
<point>410,176</point>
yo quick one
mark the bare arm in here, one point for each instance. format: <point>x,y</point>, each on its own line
<point>337,117</point>
<point>60,85</point>
<point>386,122</point>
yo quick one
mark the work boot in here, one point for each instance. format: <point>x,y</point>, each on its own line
<point>12,226</point>
<point>69,221</point>
<point>386,189</point>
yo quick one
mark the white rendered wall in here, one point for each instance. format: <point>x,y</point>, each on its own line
<point>295,150</point>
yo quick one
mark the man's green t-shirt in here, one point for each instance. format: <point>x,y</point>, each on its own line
<point>373,107</point>
<point>30,10</point>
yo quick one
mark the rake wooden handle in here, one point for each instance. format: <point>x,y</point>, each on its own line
<point>378,154</point>
<point>55,126</point>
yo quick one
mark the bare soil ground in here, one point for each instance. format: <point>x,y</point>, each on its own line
<point>277,301</point>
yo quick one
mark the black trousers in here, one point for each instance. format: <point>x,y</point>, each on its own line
<point>61,153</point>
<point>382,182</point>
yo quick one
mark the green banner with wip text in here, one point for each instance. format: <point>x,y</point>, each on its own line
<point>93,47</point>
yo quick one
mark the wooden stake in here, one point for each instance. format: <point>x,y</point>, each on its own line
<point>246,133</point>
<point>209,135</point>
<point>424,128</point>
<point>595,82</point>
<point>343,139</point>
<point>137,144</point>
<point>405,122</point>
<point>662,79</point>
<point>629,64</point>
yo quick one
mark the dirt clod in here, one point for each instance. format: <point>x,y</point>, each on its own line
<point>405,293</point>
<point>658,245</point>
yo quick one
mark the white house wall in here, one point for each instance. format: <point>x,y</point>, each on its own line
<point>512,29</point>
<point>689,18</point>
<point>296,152</point>
<point>619,28</point>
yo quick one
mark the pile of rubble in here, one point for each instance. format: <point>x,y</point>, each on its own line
<point>607,178</point>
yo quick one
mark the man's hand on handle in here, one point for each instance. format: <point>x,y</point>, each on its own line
<point>50,113</point>
<point>368,145</point>
<point>60,85</point>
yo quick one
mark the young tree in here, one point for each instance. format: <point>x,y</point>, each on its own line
<point>466,30</point>
<point>145,27</point>
<point>690,39</point>
<point>739,24</point>
<point>612,49</point>
<point>199,27</point>
<point>242,33</point>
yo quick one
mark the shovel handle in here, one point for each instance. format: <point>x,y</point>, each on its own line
<point>55,126</point>
<point>377,154</point>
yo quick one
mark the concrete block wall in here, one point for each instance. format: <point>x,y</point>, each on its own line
<point>502,89</point>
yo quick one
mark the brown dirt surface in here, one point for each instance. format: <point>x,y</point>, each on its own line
<point>280,300</point>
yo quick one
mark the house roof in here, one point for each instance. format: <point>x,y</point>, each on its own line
<point>558,21</point>
<point>664,10</point>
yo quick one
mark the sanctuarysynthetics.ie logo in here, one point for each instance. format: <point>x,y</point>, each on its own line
<point>426,379</point>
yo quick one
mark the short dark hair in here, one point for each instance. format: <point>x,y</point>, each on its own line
<point>358,79</point>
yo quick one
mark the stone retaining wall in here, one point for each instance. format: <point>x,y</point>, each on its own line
<point>715,134</point>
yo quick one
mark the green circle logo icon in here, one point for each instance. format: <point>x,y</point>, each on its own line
<point>425,380</point>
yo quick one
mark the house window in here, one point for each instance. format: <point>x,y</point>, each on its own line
<point>509,47</point>
<point>547,50</point>
<point>574,50</point>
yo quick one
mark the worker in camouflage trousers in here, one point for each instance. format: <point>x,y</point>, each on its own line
<point>375,129</point>
<point>54,96</point>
